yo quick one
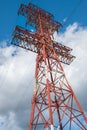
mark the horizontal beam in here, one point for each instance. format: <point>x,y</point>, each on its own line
<point>32,13</point>
<point>32,41</point>
<point>31,7</point>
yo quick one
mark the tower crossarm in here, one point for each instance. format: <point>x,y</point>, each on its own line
<point>32,41</point>
<point>31,12</point>
<point>64,53</point>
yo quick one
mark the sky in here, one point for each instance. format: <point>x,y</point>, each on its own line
<point>61,9</point>
<point>17,72</point>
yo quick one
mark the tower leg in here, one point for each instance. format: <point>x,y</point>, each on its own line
<point>54,102</point>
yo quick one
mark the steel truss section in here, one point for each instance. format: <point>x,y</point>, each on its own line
<point>54,104</point>
<point>31,12</point>
<point>32,41</point>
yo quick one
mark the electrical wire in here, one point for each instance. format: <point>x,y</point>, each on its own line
<point>73,11</point>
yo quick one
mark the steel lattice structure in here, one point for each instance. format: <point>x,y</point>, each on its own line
<point>54,104</point>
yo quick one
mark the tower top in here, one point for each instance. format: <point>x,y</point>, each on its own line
<point>45,26</point>
<point>33,16</point>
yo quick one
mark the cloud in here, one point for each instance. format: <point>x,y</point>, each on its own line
<point>75,37</point>
<point>17,76</point>
<point>16,85</point>
<point>65,19</point>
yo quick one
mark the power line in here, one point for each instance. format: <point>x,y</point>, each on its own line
<point>73,12</point>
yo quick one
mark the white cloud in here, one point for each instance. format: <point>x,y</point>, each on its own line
<point>17,76</point>
<point>16,84</point>
<point>65,19</point>
<point>75,37</point>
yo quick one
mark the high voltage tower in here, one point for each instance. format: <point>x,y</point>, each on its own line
<point>54,104</point>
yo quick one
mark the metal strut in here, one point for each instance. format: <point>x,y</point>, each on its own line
<point>54,102</point>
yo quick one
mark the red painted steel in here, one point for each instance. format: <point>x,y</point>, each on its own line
<point>32,41</point>
<point>54,104</point>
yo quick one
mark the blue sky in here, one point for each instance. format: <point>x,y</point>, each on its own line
<point>16,72</point>
<point>69,10</point>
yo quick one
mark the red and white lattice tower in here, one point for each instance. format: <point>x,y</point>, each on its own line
<point>54,104</point>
